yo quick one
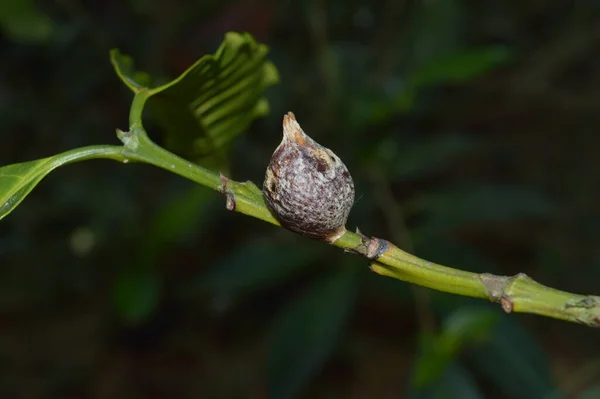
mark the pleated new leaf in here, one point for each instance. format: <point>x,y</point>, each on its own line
<point>212,102</point>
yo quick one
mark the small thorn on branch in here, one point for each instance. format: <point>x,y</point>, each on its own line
<point>371,248</point>
<point>230,198</point>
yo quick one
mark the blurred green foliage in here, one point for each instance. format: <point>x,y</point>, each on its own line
<point>22,21</point>
<point>210,103</point>
<point>172,296</point>
<point>306,332</point>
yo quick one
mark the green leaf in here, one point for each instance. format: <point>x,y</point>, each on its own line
<point>524,368</point>
<point>307,332</point>
<point>460,66</point>
<point>17,180</point>
<point>435,28</point>
<point>418,159</point>
<point>458,382</point>
<point>136,291</point>
<point>456,67</point>
<point>461,328</point>
<point>458,206</point>
<point>251,267</point>
<point>469,324</point>
<point>388,288</point>
<point>176,218</point>
<point>125,69</point>
<point>455,382</point>
<point>415,159</point>
<point>24,22</point>
<point>212,102</point>
<point>136,294</point>
<point>590,393</point>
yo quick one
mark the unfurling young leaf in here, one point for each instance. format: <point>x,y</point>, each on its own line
<point>212,102</point>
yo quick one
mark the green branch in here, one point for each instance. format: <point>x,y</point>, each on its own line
<point>515,294</point>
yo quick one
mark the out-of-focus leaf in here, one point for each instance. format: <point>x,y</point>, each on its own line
<point>514,363</point>
<point>434,53</point>
<point>24,22</point>
<point>307,331</point>
<point>142,7</point>
<point>456,67</point>
<point>137,290</point>
<point>458,206</point>
<point>173,221</point>
<point>368,107</point>
<point>406,99</point>
<point>590,393</point>
<point>585,373</point>
<point>455,382</point>
<point>463,327</point>
<point>212,102</point>
<point>388,287</point>
<point>435,29</point>
<point>458,382</point>
<point>136,294</point>
<point>468,325</point>
<point>254,266</point>
<point>418,159</point>
<point>460,66</point>
<point>411,161</point>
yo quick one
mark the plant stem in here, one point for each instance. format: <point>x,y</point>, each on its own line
<point>248,198</point>
<point>113,152</point>
<point>515,294</point>
<point>144,150</point>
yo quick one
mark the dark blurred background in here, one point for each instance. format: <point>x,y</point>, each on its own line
<point>470,128</point>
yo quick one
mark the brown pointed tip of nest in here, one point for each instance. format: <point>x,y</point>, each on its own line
<point>292,129</point>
